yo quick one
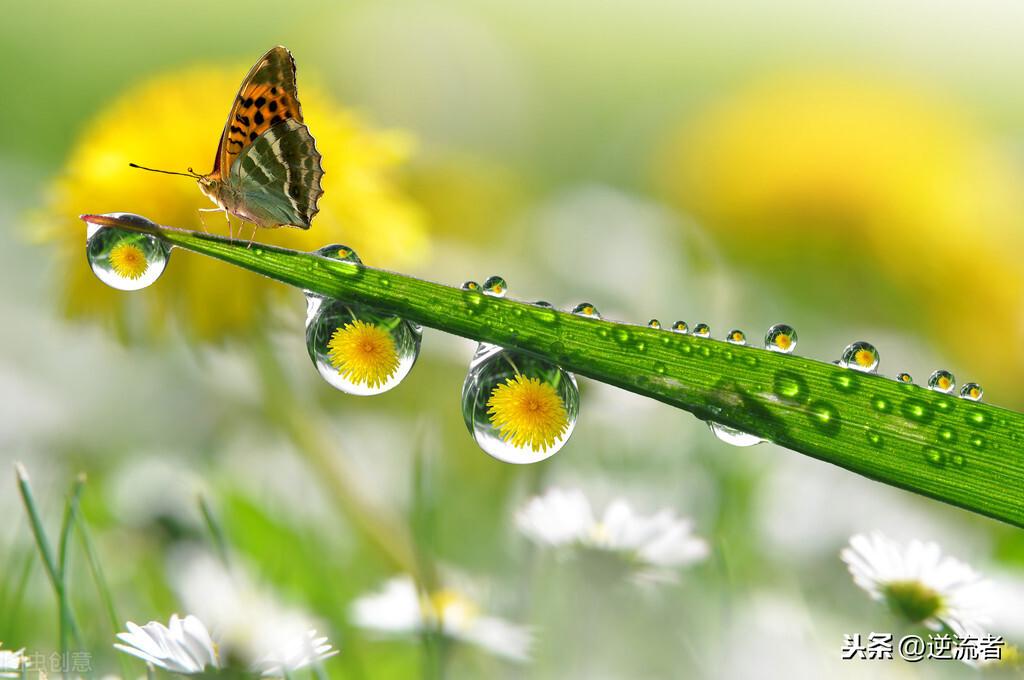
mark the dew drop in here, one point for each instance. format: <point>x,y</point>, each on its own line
<point>495,286</point>
<point>916,410</point>
<point>977,441</point>
<point>941,381</point>
<point>736,337</point>
<point>586,309</point>
<point>336,251</point>
<point>702,330</point>
<point>543,304</point>
<point>845,381</point>
<point>825,417</point>
<point>881,404</point>
<point>622,335</point>
<point>958,460</point>
<point>471,285</point>
<point>357,349</point>
<point>904,378</point>
<point>789,385</point>
<point>972,391</point>
<point>680,327</point>
<point>654,323</point>
<point>780,338</point>
<point>978,419</point>
<point>123,259</point>
<point>946,435</point>
<point>873,438</point>
<point>934,457</point>
<point>860,356</point>
<point>519,408</point>
<point>732,436</point>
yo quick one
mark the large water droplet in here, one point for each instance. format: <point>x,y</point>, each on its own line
<point>942,381</point>
<point>495,286</point>
<point>731,435</point>
<point>702,330</point>
<point>654,323</point>
<point>972,391</point>
<point>519,408</point>
<point>586,309</point>
<point>359,350</point>
<point>736,337</point>
<point>680,327</point>
<point>471,285</point>
<point>904,378</point>
<point>860,356</point>
<point>123,259</point>
<point>780,338</point>
<point>336,251</point>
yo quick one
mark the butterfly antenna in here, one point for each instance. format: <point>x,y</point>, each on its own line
<point>190,172</point>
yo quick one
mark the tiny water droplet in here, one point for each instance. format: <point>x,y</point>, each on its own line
<point>702,330</point>
<point>904,378</point>
<point>357,349</point>
<point>881,404</point>
<point>123,259</point>
<point>917,410</point>
<point>824,416</point>
<point>654,323</point>
<point>336,251</point>
<point>789,385</point>
<point>622,335</point>
<point>946,435</point>
<point>736,337</point>
<point>873,438</point>
<point>544,304</point>
<point>972,391</point>
<point>495,286</point>
<point>934,457</point>
<point>471,285</point>
<point>978,419</point>
<point>941,381</point>
<point>780,338</point>
<point>680,327</point>
<point>860,356</point>
<point>519,408</point>
<point>732,436</point>
<point>586,309</point>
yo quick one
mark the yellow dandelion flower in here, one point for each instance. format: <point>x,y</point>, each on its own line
<point>864,357</point>
<point>363,353</point>
<point>173,122</point>
<point>784,341</point>
<point>128,261</point>
<point>528,413</point>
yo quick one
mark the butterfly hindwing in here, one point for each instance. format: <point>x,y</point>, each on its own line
<point>276,178</point>
<point>268,96</point>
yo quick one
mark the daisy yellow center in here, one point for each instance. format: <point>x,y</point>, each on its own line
<point>527,413</point>
<point>912,600</point>
<point>864,358</point>
<point>783,341</point>
<point>128,261</point>
<point>363,353</point>
<point>451,604</point>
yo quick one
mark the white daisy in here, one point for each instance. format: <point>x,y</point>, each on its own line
<point>251,624</point>
<point>12,662</point>
<point>658,544</point>
<point>918,583</point>
<point>184,646</point>
<point>400,610</point>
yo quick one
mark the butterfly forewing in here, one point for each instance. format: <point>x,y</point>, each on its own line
<point>277,178</point>
<point>268,96</point>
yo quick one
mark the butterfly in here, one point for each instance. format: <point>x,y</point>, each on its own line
<point>267,169</point>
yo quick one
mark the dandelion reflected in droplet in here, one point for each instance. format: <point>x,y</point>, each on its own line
<point>702,330</point>
<point>654,323</point>
<point>471,285</point>
<point>519,408</point>
<point>336,251</point>
<point>586,309</point>
<point>780,338</point>
<point>680,327</point>
<point>942,381</point>
<point>495,286</point>
<point>359,350</point>
<point>860,356</point>
<point>736,337</point>
<point>905,378</point>
<point>732,436</point>
<point>123,259</point>
<point>972,391</point>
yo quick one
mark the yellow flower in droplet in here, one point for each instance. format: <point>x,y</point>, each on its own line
<point>864,358</point>
<point>128,261</point>
<point>173,122</point>
<point>363,353</point>
<point>943,382</point>
<point>783,341</point>
<point>528,413</point>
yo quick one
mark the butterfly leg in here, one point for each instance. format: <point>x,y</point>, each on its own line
<point>253,237</point>
<point>206,210</point>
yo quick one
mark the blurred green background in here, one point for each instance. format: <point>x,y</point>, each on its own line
<point>852,169</point>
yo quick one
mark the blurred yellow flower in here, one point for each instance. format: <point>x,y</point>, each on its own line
<point>363,353</point>
<point>528,412</point>
<point>828,174</point>
<point>173,122</point>
<point>128,261</point>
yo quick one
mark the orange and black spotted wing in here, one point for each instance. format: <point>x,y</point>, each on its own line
<point>267,97</point>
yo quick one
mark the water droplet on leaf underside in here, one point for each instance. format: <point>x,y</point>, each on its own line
<point>731,435</point>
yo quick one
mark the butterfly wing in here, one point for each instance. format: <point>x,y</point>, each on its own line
<point>276,179</point>
<point>266,98</point>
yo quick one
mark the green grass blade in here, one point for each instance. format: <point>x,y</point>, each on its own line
<point>961,452</point>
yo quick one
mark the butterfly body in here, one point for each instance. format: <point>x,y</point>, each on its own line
<point>267,169</point>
